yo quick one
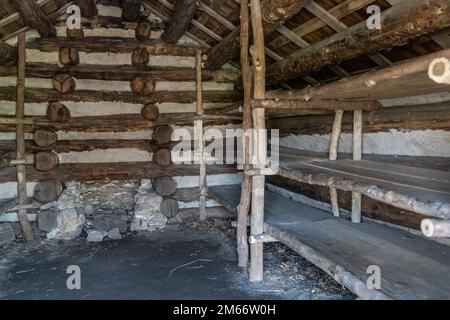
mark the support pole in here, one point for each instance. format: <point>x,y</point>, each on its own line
<point>260,143</point>
<point>201,137</point>
<point>357,155</point>
<point>244,204</point>
<point>334,143</point>
<point>20,139</point>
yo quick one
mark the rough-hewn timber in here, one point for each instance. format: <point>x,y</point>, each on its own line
<point>401,23</point>
<point>45,95</point>
<point>274,13</point>
<point>112,44</point>
<point>182,15</point>
<point>120,72</point>
<point>111,171</point>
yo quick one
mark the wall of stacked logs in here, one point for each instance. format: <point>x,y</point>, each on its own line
<point>102,103</point>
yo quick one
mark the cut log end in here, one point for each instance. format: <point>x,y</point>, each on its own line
<point>44,137</point>
<point>48,190</point>
<point>162,157</point>
<point>64,83</point>
<point>45,161</point>
<point>435,228</point>
<point>140,57</point>
<point>143,30</point>
<point>143,86</point>
<point>150,112</point>
<point>165,186</point>
<point>75,34</point>
<point>162,134</point>
<point>58,113</point>
<point>69,56</point>
<point>439,70</point>
<point>169,208</point>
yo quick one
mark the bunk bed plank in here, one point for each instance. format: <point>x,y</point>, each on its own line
<point>421,190</point>
<point>411,266</point>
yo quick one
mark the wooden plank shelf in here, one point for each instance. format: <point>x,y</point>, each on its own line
<point>419,190</point>
<point>411,266</point>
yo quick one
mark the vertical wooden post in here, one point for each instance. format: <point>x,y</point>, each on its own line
<point>201,137</point>
<point>244,204</point>
<point>20,139</point>
<point>334,143</point>
<point>260,140</point>
<point>357,155</point>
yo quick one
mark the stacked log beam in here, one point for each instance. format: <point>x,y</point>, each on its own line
<point>111,171</point>
<point>120,72</point>
<point>45,95</point>
<point>112,44</point>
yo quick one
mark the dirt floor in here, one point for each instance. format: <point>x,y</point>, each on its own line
<point>196,262</point>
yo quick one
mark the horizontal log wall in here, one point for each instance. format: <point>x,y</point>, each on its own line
<point>107,137</point>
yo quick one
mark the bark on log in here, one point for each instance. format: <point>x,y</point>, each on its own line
<point>63,146</point>
<point>169,208</point>
<point>45,95</point>
<point>117,123</point>
<point>162,157</point>
<point>389,82</point>
<point>44,138</point>
<point>150,112</point>
<point>21,171</point>
<point>401,23</point>
<point>244,203</point>
<point>162,134</point>
<point>34,16</point>
<point>131,10</point>
<point>48,190</point>
<point>370,208</point>
<point>421,117</point>
<point>143,30</point>
<point>292,105</point>
<point>64,83</point>
<point>165,186</point>
<point>112,44</point>
<point>45,161</point>
<point>69,56</point>
<point>274,14</point>
<point>8,54</point>
<point>143,86</point>
<point>57,112</point>
<point>122,72</point>
<point>111,171</point>
<point>182,15</point>
<point>88,8</point>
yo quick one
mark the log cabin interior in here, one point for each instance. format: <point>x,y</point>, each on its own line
<point>338,109</point>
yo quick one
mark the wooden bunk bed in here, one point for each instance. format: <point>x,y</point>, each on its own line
<point>342,248</point>
<point>345,250</point>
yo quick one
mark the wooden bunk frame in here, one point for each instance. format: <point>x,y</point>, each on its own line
<point>346,175</point>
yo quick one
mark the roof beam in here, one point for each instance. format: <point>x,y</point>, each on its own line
<point>131,10</point>
<point>8,54</point>
<point>401,23</point>
<point>182,15</point>
<point>33,16</point>
<point>88,8</point>
<point>274,14</point>
<point>392,82</point>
